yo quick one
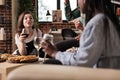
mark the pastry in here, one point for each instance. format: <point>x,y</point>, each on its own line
<point>4,57</point>
<point>23,59</point>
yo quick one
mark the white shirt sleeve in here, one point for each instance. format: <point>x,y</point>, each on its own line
<point>17,40</point>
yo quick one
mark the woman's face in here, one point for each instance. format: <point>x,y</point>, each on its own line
<point>28,20</point>
<point>81,4</point>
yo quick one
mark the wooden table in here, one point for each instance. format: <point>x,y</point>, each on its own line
<point>6,67</point>
<point>60,72</point>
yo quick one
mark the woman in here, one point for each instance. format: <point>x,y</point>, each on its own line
<point>70,15</point>
<point>100,37</point>
<point>25,44</point>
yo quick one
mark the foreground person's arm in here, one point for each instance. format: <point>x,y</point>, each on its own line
<point>90,48</point>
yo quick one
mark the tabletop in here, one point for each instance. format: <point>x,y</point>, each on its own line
<point>6,67</point>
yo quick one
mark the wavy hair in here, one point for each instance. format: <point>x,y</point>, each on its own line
<point>20,21</point>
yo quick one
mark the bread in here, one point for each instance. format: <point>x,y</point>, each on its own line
<point>23,59</point>
<point>4,57</point>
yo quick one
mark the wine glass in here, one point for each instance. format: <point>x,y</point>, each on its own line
<point>37,44</point>
<point>49,38</point>
<point>24,33</point>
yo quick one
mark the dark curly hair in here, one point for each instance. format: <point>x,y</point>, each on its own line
<point>104,6</point>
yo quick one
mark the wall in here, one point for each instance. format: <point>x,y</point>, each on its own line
<point>5,14</point>
<point>46,26</point>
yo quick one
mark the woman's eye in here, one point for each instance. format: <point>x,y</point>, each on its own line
<point>25,18</point>
<point>31,18</point>
<point>28,18</point>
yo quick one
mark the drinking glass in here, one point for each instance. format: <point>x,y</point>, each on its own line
<point>24,33</point>
<point>49,38</point>
<point>37,44</point>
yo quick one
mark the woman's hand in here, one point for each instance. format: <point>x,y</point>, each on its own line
<point>24,34</point>
<point>22,38</point>
<point>49,48</point>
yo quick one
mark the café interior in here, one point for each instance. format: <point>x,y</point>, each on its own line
<point>44,11</point>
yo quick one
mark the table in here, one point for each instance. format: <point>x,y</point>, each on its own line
<point>58,72</point>
<point>6,67</point>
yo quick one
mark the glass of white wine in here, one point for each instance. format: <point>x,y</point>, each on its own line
<point>37,44</point>
<point>49,38</point>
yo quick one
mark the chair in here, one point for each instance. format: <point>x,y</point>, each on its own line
<point>68,33</point>
<point>66,44</point>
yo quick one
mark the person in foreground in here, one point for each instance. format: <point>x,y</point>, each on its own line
<point>25,43</point>
<point>99,42</point>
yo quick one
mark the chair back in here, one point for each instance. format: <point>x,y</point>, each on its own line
<point>68,33</point>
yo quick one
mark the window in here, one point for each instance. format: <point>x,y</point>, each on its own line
<point>116,1</point>
<point>73,4</point>
<point>43,7</point>
<point>49,5</point>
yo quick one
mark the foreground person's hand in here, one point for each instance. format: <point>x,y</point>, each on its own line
<point>49,48</point>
